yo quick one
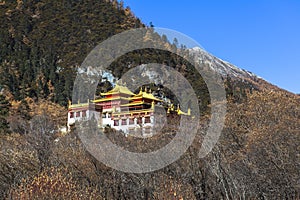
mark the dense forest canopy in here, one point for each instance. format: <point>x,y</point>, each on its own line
<point>43,43</point>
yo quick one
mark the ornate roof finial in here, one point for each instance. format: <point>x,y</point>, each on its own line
<point>119,82</point>
<point>141,89</point>
<point>172,107</point>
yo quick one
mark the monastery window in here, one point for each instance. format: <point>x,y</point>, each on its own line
<point>131,121</point>
<point>84,113</point>
<point>116,122</point>
<point>77,114</point>
<point>103,115</point>
<point>109,115</point>
<point>71,114</point>
<point>124,121</point>
<point>140,121</point>
<point>147,120</point>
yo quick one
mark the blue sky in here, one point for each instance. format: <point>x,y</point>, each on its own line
<point>261,36</point>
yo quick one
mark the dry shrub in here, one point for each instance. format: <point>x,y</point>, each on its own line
<point>53,183</point>
<point>56,112</point>
<point>17,160</point>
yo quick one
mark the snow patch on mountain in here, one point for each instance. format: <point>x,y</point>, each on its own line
<point>224,68</point>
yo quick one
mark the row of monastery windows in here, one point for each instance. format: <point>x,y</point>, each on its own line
<point>78,113</point>
<point>131,121</point>
<point>131,115</point>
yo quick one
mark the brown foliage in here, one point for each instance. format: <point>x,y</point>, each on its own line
<point>255,157</point>
<point>17,160</point>
<point>53,183</point>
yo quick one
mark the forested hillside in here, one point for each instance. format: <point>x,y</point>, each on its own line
<point>42,44</point>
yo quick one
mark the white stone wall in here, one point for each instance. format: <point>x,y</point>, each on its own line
<point>146,128</point>
<point>89,115</point>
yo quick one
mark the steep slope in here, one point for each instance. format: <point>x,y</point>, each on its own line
<point>255,158</point>
<point>43,43</point>
<point>222,67</point>
<point>230,71</point>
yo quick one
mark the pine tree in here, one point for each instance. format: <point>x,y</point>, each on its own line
<point>4,112</point>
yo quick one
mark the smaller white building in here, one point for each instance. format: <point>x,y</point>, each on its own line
<point>82,112</point>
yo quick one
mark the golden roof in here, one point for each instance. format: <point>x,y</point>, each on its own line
<point>180,112</point>
<point>118,89</point>
<point>79,105</point>
<point>145,95</point>
<point>109,99</point>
